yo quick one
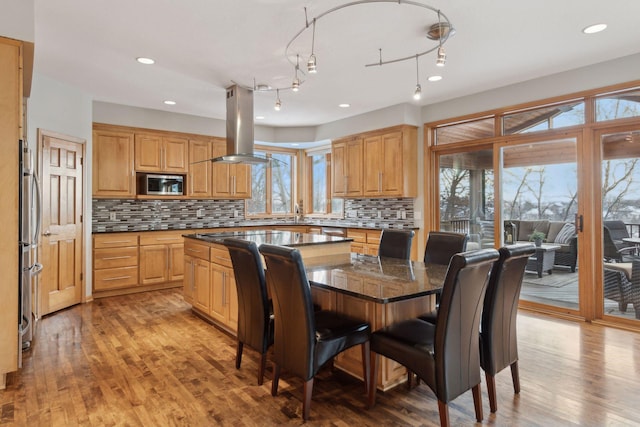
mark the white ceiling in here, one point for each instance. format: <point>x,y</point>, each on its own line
<point>203,46</point>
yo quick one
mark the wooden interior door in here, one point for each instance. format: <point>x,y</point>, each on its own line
<point>61,249</point>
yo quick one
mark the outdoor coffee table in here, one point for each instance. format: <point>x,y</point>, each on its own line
<point>543,259</point>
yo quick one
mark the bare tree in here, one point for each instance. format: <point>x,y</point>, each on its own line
<point>516,196</point>
<point>452,185</point>
<point>536,188</point>
<point>616,185</point>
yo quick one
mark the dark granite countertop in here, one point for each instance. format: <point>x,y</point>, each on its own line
<point>273,237</point>
<point>383,280</point>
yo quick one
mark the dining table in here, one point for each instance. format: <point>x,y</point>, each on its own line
<point>381,291</point>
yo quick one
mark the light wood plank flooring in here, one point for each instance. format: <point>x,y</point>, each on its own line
<point>146,360</point>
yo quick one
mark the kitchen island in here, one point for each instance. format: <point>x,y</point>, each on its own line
<point>379,290</point>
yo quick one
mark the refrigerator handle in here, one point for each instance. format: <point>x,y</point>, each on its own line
<point>38,195</point>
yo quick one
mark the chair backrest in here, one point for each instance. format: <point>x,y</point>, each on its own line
<point>253,301</point>
<point>294,341</point>
<point>617,229</point>
<point>499,345</point>
<point>442,245</point>
<point>395,243</point>
<point>612,234</point>
<point>457,353</point>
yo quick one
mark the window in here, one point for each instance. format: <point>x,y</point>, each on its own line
<point>544,118</point>
<point>457,132</point>
<point>272,188</point>
<point>319,201</point>
<point>618,106</point>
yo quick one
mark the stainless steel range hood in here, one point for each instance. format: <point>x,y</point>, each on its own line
<point>240,128</point>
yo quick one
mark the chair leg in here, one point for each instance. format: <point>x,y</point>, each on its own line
<point>276,378</point>
<point>366,366</point>
<point>306,400</point>
<point>409,379</point>
<point>477,402</point>
<point>443,409</point>
<point>515,376</point>
<point>239,354</point>
<point>491,391</point>
<point>263,361</point>
<point>373,379</point>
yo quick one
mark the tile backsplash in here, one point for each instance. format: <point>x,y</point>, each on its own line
<point>111,215</point>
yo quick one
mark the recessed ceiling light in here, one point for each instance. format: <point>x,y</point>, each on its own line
<point>259,117</point>
<point>434,78</point>
<point>596,28</point>
<point>145,61</point>
<point>345,105</point>
<point>168,102</point>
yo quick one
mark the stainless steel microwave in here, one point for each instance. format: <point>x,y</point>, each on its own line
<point>161,185</point>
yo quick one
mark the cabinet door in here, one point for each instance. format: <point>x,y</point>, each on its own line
<point>391,164</point>
<point>339,169</point>
<point>372,185</point>
<point>175,152</point>
<point>176,264</point>
<point>154,264</point>
<point>148,153</point>
<point>221,184</point>
<point>241,181</point>
<point>232,300</point>
<point>218,307</point>
<point>199,169</point>
<point>354,167</point>
<point>188,284</point>
<point>113,172</point>
<point>202,292</point>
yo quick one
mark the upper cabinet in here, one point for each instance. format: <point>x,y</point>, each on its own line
<point>387,165</point>
<point>119,152</point>
<point>230,181</point>
<point>346,167</point>
<point>158,153</point>
<point>113,173</point>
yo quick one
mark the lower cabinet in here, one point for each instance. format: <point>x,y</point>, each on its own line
<point>209,283</point>
<point>135,262</point>
<point>365,242</point>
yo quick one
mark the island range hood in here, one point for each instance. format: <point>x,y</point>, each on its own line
<point>240,128</point>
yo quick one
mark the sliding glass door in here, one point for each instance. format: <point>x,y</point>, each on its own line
<point>539,203</point>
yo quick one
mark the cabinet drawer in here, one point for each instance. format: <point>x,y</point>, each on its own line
<point>373,237</point>
<point>220,255</point>
<point>196,250</point>
<point>358,236</point>
<point>115,257</point>
<point>115,278</point>
<point>160,238</point>
<point>115,240</point>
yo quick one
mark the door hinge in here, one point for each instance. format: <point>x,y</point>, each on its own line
<point>81,277</point>
<point>81,216</point>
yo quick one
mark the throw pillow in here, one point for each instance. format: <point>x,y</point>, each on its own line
<point>565,234</point>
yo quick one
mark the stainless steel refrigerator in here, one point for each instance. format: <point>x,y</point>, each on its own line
<point>30,220</point>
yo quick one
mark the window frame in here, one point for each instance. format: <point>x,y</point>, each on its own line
<point>308,193</point>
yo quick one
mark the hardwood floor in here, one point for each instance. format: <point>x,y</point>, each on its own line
<point>145,359</point>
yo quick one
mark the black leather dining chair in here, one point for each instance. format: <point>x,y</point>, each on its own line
<point>255,314</point>
<point>305,340</point>
<point>395,243</point>
<point>445,355</point>
<point>442,245</point>
<point>498,338</point>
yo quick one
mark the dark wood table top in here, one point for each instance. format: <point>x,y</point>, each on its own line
<point>382,280</point>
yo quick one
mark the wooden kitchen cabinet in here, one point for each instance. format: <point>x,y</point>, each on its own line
<point>381,163</point>
<point>346,167</point>
<point>200,182</point>
<point>113,164</point>
<point>230,181</point>
<point>224,297</point>
<point>365,242</point>
<point>159,153</point>
<point>161,258</point>
<point>115,261</point>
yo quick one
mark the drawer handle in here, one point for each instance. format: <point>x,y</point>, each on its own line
<point>194,250</point>
<point>117,257</point>
<point>117,241</point>
<point>116,278</point>
<point>166,238</point>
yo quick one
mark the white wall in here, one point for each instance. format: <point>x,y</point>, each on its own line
<point>17,20</point>
<point>60,108</point>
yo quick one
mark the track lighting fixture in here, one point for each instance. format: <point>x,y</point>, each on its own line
<point>311,63</point>
<point>295,86</point>
<point>417,94</point>
<point>278,105</point>
<point>442,56</point>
